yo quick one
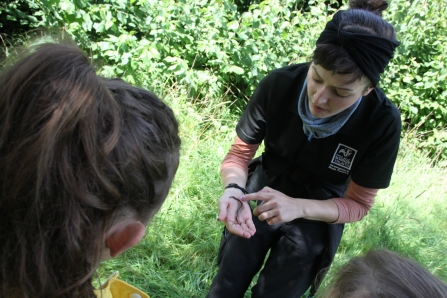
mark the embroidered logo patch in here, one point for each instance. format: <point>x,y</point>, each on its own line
<point>343,159</point>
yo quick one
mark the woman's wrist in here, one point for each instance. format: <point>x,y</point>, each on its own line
<point>237,186</point>
<point>233,192</point>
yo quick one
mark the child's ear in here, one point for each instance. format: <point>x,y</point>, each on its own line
<point>123,236</point>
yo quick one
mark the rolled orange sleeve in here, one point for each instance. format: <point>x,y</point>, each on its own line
<point>239,155</point>
<point>357,202</point>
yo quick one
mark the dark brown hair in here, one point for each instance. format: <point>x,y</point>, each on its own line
<point>363,16</point>
<point>384,274</point>
<point>76,152</point>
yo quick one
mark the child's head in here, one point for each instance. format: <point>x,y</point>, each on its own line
<point>383,273</point>
<point>85,162</point>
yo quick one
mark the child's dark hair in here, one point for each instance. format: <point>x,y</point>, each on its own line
<point>77,151</point>
<point>364,17</point>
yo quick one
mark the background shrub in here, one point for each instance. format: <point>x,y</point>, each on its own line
<point>224,47</point>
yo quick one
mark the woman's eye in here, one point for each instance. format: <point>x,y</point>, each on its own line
<point>316,80</point>
<point>341,96</point>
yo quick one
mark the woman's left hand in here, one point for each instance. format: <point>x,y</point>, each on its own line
<point>277,207</point>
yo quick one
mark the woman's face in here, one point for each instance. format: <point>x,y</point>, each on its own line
<point>329,93</point>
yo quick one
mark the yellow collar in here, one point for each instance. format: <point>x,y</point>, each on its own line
<point>116,288</point>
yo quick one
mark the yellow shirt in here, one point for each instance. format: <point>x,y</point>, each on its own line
<point>116,288</point>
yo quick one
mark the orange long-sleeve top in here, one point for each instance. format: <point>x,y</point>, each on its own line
<point>356,203</point>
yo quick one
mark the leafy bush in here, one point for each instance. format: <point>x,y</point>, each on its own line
<point>17,15</point>
<point>220,47</point>
<point>417,76</point>
<point>207,45</point>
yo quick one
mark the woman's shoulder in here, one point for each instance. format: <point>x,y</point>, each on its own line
<point>378,112</point>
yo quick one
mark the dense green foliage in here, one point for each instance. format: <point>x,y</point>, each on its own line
<point>209,46</point>
<point>225,47</point>
<point>417,78</point>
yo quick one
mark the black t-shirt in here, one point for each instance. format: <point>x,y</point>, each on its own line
<point>363,150</point>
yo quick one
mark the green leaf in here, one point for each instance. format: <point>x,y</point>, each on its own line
<point>99,27</point>
<point>234,25</point>
<point>87,24</point>
<point>233,69</point>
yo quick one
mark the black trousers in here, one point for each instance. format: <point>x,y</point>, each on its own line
<point>296,251</point>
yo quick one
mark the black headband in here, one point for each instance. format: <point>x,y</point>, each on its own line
<point>371,53</point>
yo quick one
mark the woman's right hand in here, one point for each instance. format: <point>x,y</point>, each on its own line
<point>236,214</point>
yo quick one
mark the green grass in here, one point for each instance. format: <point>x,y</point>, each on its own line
<point>177,256</point>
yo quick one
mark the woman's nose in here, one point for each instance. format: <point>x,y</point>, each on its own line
<point>321,96</point>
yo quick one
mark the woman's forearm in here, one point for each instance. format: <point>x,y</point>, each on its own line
<point>279,207</point>
<point>325,210</point>
<point>233,175</point>
<point>234,168</point>
<point>355,205</point>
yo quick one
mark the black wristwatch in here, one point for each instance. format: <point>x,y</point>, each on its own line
<point>234,185</point>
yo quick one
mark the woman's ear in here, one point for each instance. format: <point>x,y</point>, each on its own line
<point>367,90</point>
<point>123,235</point>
